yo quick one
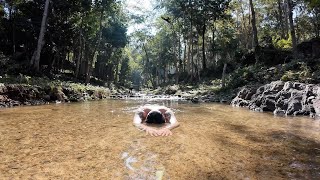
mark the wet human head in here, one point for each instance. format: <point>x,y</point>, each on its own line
<point>155,117</point>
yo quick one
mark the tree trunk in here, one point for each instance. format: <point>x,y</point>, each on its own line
<point>244,26</point>
<point>198,65</point>
<point>13,33</point>
<point>148,71</point>
<point>180,66</point>
<point>286,20</point>
<point>116,79</point>
<point>189,55</point>
<point>147,56</point>
<point>165,73</point>
<point>224,75</point>
<point>280,18</point>
<point>12,20</point>
<point>191,52</point>
<point>83,59</point>
<point>255,42</point>
<point>36,56</point>
<point>250,34</point>
<point>192,62</point>
<point>292,30</point>
<point>184,56</point>
<point>213,42</point>
<point>94,55</point>
<point>175,56</point>
<point>317,24</point>
<point>204,65</point>
<point>191,40</point>
<point>80,51</point>
<point>111,72</point>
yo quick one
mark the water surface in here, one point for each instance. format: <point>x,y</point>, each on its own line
<point>96,140</point>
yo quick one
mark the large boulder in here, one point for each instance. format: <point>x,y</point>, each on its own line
<point>247,92</point>
<point>172,89</point>
<point>294,106</point>
<point>269,103</point>
<point>281,98</point>
<point>3,89</point>
<point>316,106</point>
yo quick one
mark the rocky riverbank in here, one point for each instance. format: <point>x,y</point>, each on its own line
<point>18,94</point>
<point>281,98</point>
<point>12,95</point>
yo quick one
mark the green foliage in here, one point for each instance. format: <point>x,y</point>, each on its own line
<point>298,72</point>
<point>313,3</point>
<point>87,30</point>
<point>290,76</point>
<point>284,44</point>
<point>226,40</point>
<point>254,74</point>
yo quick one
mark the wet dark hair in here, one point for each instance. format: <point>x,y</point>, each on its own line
<point>155,118</point>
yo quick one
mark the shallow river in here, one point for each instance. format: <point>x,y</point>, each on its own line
<point>96,140</point>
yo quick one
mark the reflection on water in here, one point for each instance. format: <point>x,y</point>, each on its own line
<point>96,140</point>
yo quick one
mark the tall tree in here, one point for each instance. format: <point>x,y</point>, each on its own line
<point>35,60</point>
<point>97,44</point>
<point>280,19</point>
<point>255,42</point>
<point>292,28</point>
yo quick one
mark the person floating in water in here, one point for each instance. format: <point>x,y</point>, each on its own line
<point>148,117</point>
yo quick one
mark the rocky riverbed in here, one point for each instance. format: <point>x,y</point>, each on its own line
<point>281,98</point>
<point>195,94</point>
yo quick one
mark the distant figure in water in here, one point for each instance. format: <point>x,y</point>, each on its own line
<point>149,117</point>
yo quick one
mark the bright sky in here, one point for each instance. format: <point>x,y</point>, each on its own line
<point>134,5</point>
<point>140,7</point>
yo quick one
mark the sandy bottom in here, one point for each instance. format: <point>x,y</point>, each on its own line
<point>96,140</point>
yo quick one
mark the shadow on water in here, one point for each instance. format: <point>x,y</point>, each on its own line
<point>292,155</point>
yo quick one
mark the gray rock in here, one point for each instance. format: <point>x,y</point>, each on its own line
<point>172,89</point>
<point>294,106</point>
<point>195,100</point>
<point>269,104</point>
<point>289,98</point>
<point>299,86</point>
<point>316,106</point>
<point>3,105</point>
<point>310,99</point>
<point>3,88</point>
<point>279,112</point>
<point>277,86</point>
<point>287,86</point>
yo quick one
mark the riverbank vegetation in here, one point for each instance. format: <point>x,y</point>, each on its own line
<point>190,42</point>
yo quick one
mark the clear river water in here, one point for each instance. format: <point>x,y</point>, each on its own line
<point>96,140</point>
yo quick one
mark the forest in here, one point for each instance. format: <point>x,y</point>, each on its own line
<point>160,89</point>
<point>229,42</point>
